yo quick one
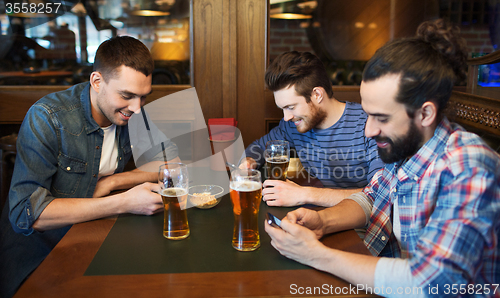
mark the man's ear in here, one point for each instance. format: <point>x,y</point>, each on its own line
<point>95,80</point>
<point>428,114</point>
<point>317,94</point>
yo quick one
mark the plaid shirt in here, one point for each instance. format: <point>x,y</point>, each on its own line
<point>449,207</point>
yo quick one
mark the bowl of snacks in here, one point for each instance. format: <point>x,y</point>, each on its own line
<point>205,196</point>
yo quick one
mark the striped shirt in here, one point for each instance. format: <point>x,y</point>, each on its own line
<point>339,156</point>
<point>448,198</point>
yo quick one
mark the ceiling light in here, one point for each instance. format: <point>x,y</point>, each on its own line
<point>292,10</point>
<point>149,13</point>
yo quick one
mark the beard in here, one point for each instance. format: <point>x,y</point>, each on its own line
<point>313,120</point>
<point>400,148</point>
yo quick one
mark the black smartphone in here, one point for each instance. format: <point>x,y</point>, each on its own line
<point>273,220</point>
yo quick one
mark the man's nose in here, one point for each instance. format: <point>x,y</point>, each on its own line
<point>371,129</point>
<point>287,115</point>
<point>135,105</point>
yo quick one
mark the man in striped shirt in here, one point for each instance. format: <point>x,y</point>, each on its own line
<point>432,214</point>
<point>327,135</point>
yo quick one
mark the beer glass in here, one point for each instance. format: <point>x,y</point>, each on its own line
<point>277,155</point>
<point>246,193</point>
<point>174,183</point>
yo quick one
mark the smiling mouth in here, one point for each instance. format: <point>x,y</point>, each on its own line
<point>126,115</point>
<point>382,144</point>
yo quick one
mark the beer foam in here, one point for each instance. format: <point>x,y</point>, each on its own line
<point>245,186</point>
<point>174,192</point>
<point>277,160</point>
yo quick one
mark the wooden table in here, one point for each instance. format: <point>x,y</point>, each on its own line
<point>62,273</point>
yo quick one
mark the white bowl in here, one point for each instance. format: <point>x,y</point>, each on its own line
<point>205,196</point>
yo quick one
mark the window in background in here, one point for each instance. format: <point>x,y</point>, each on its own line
<point>345,34</point>
<point>59,49</point>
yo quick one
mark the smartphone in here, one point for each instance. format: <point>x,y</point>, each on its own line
<point>273,220</point>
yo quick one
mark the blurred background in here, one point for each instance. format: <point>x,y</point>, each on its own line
<point>58,48</point>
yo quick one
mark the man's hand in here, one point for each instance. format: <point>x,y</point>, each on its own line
<point>248,163</point>
<point>143,199</point>
<point>287,194</point>
<point>296,242</point>
<point>104,186</point>
<point>308,218</point>
<point>283,193</point>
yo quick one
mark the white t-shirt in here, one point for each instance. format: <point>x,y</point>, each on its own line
<point>109,155</point>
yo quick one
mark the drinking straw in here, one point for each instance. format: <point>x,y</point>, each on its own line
<point>151,136</point>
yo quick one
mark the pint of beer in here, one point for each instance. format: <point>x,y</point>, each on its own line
<point>277,155</point>
<point>174,183</point>
<point>175,222</point>
<point>246,194</point>
<point>277,167</point>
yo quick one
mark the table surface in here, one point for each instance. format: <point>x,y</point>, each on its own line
<point>63,272</point>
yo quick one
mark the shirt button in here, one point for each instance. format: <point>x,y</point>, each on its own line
<point>97,147</point>
<point>383,238</point>
<point>68,168</point>
<point>93,175</point>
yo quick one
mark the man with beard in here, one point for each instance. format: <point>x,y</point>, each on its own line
<point>71,152</point>
<point>432,213</point>
<point>328,135</point>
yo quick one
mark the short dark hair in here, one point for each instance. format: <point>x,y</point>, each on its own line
<point>429,65</point>
<point>122,50</point>
<point>303,70</point>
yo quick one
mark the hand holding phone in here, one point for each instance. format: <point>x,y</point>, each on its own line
<point>273,220</point>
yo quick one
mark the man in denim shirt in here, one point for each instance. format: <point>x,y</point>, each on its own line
<point>72,148</point>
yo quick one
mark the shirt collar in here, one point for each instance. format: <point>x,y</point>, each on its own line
<point>415,167</point>
<point>91,125</point>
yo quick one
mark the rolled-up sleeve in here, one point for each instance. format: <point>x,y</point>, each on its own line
<point>364,202</point>
<point>36,163</point>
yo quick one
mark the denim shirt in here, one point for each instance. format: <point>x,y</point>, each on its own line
<point>58,154</point>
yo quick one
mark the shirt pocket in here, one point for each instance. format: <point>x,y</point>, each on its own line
<point>70,172</point>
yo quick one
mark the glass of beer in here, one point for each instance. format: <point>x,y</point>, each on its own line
<point>246,194</point>
<point>174,183</point>
<point>277,155</point>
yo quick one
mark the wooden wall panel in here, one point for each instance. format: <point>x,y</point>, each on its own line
<point>16,100</point>
<point>207,57</point>
<point>251,30</point>
<point>230,61</point>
